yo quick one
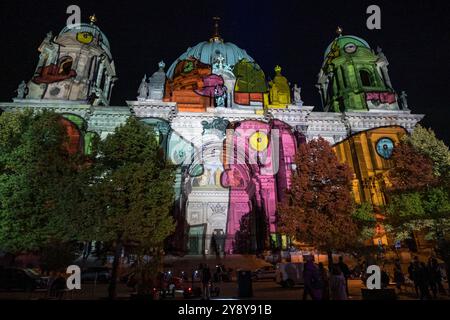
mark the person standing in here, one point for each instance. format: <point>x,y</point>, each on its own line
<point>399,278</point>
<point>411,274</point>
<point>384,278</point>
<point>337,284</point>
<point>435,276</point>
<point>325,281</point>
<point>363,275</point>
<point>206,279</point>
<point>416,274</point>
<point>423,281</point>
<point>345,271</point>
<point>312,281</point>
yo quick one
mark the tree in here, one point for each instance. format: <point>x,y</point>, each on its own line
<point>418,197</point>
<point>319,205</point>
<point>419,193</point>
<point>133,193</point>
<point>412,170</point>
<point>363,216</point>
<point>425,142</point>
<point>38,179</point>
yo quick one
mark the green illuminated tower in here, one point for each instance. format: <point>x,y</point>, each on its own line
<point>355,78</point>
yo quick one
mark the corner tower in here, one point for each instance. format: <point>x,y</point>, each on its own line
<point>355,78</point>
<point>76,65</point>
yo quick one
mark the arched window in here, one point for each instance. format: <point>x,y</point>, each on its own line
<point>65,66</point>
<point>366,78</point>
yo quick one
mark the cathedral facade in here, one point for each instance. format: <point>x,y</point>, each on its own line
<point>232,133</point>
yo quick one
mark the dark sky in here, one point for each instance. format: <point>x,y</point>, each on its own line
<point>415,37</point>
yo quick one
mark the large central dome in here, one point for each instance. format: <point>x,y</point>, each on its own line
<point>208,51</point>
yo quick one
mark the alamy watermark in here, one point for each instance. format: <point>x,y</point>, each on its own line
<point>374,280</point>
<point>74,20</point>
<point>374,20</point>
<point>73,281</point>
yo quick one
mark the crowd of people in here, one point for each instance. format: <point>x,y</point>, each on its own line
<point>427,277</point>
<point>209,279</point>
<point>322,284</point>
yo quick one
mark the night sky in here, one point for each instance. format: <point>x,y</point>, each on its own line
<point>415,37</point>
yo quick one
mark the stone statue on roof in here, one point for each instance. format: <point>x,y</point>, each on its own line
<point>297,95</point>
<point>22,90</point>
<point>143,88</point>
<point>404,100</point>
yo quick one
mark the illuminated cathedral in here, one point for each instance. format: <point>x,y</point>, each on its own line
<point>232,133</point>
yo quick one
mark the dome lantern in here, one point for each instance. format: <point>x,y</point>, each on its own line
<point>216,35</point>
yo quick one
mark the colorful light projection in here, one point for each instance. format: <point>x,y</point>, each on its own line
<point>195,87</point>
<point>279,93</point>
<point>187,80</point>
<point>56,72</point>
<point>258,159</point>
<point>250,83</point>
<point>79,139</point>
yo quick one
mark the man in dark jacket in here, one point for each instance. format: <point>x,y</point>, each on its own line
<point>346,271</point>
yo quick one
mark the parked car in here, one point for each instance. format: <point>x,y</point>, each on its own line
<point>265,273</point>
<point>289,274</point>
<point>21,279</point>
<point>98,274</point>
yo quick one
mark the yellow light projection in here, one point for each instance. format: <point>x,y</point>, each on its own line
<point>85,37</point>
<point>259,141</point>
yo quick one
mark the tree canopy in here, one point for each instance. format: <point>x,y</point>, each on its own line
<point>39,181</point>
<point>133,192</point>
<point>319,206</point>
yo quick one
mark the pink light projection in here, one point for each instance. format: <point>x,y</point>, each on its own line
<point>258,163</point>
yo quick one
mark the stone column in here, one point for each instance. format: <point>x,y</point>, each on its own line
<point>384,71</point>
<point>110,90</point>
<point>101,68</point>
<point>40,64</point>
<point>107,87</point>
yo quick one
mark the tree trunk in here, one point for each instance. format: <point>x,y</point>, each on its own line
<point>415,242</point>
<point>330,261</point>
<point>112,289</point>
